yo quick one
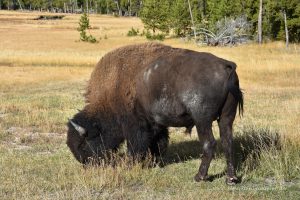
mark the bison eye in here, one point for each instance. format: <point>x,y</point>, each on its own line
<point>96,126</point>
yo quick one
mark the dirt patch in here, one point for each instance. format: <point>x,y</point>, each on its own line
<point>271,181</point>
<point>2,115</point>
<point>21,137</point>
<point>49,17</point>
<point>6,64</point>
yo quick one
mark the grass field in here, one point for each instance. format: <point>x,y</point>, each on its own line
<point>43,73</point>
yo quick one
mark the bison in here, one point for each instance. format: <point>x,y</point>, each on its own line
<point>136,92</point>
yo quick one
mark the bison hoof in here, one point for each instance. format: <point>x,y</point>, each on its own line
<point>231,180</point>
<point>199,178</point>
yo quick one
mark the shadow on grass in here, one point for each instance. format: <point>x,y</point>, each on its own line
<point>247,144</point>
<point>251,143</point>
<point>181,152</point>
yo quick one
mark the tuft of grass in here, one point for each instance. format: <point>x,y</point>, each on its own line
<point>262,152</point>
<point>133,32</point>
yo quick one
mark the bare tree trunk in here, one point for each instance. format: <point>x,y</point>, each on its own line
<point>194,28</point>
<point>107,11</point>
<point>20,5</point>
<point>87,6</point>
<point>129,8</point>
<point>141,6</point>
<point>96,7</point>
<point>71,6</point>
<point>286,30</point>
<point>203,8</point>
<point>260,22</point>
<point>51,7</point>
<point>74,6</point>
<point>119,9</point>
<point>90,6</point>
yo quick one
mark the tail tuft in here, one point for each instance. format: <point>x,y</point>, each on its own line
<point>234,89</point>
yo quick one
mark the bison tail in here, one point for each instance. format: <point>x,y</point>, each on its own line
<point>234,89</point>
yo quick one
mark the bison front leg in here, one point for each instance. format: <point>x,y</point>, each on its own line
<point>188,130</point>
<point>137,136</point>
<point>208,141</point>
<point>160,141</point>
<point>137,144</point>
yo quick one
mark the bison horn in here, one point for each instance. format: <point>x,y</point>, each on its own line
<point>78,128</point>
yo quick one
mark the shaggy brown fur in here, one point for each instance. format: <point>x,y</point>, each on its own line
<point>112,87</point>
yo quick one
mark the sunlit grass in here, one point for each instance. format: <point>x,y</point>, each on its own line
<point>44,70</point>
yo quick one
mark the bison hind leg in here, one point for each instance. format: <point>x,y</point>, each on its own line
<point>160,141</point>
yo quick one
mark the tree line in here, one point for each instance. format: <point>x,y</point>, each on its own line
<point>116,7</point>
<point>179,17</point>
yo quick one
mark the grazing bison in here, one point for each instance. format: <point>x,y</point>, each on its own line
<point>136,92</point>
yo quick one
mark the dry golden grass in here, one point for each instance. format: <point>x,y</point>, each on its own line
<point>25,41</point>
<point>43,74</point>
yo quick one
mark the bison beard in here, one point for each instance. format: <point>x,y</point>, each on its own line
<point>136,92</point>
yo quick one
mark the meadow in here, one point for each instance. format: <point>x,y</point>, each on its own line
<point>44,70</point>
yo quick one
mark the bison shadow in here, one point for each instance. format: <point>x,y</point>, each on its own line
<point>247,143</point>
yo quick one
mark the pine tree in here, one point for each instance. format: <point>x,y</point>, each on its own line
<point>180,17</point>
<point>84,24</point>
<point>155,15</point>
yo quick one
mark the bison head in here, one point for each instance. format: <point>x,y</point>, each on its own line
<point>84,138</point>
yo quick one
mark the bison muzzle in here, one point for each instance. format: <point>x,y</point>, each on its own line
<point>136,92</point>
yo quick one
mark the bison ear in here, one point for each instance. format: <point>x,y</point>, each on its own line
<point>78,128</point>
